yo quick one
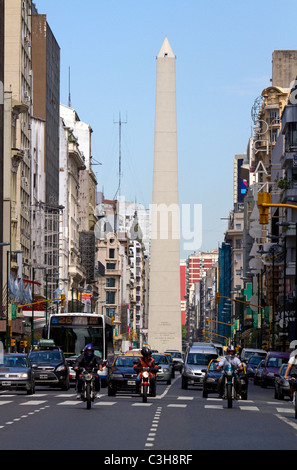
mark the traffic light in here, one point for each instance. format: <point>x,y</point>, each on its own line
<point>12,342</point>
<point>63,300</point>
<point>218,296</point>
<point>264,198</point>
<point>207,321</point>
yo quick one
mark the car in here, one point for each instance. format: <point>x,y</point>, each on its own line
<point>246,353</point>
<point>252,365</point>
<point>196,359</point>
<point>177,358</point>
<point>258,372</point>
<point>272,363</point>
<point>122,375</point>
<point>211,377</point>
<point>164,372</point>
<point>71,360</point>
<point>281,385</point>
<point>50,367</point>
<point>16,373</point>
<point>171,364</point>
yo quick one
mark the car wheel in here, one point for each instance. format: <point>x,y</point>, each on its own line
<point>111,392</point>
<point>184,384</point>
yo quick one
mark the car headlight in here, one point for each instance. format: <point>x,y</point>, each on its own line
<point>60,368</point>
<point>24,376</point>
<point>165,369</point>
<point>210,379</point>
<point>189,371</point>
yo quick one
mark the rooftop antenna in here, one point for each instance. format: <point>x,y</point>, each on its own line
<point>120,122</point>
<point>69,94</point>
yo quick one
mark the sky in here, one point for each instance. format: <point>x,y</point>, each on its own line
<point>223,55</point>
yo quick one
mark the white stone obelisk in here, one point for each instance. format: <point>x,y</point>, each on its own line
<point>164,320</point>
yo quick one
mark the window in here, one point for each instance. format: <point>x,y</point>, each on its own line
<point>110,282</point>
<point>111,252</point>
<point>110,265</point>
<point>110,297</point>
<point>238,226</point>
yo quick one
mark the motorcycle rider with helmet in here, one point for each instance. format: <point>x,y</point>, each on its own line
<point>235,362</point>
<point>146,361</point>
<point>89,361</point>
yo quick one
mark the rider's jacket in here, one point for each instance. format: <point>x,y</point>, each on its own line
<point>88,362</point>
<point>233,360</point>
<point>146,362</point>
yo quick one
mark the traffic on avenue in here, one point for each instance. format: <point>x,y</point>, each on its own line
<point>187,413</point>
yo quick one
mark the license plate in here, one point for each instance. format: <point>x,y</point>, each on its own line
<point>6,384</point>
<point>131,382</point>
<point>43,376</point>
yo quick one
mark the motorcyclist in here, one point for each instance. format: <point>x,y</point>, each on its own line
<point>291,370</point>
<point>235,362</point>
<point>89,361</point>
<point>146,361</point>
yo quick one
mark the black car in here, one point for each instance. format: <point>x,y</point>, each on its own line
<point>281,385</point>
<point>211,377</point>
<point>121,375</point>
<point>16,373</point>
<point>50,367</point>
<point>252,365</point>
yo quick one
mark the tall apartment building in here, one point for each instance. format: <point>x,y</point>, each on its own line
<point>18,81</point>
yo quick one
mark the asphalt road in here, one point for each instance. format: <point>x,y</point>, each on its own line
<point>176,420</point>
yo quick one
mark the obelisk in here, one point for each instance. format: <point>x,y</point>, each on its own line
<point>164,319</point>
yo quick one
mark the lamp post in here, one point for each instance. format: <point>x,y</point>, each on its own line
<point>32,318</point>
<point>7,295</point>
<point>7,324</point>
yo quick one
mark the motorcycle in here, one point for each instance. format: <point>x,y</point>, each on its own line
<point>229,382</point>
<point>88,386</point>
<point>145,383</point>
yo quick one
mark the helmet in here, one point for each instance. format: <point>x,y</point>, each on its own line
<point>146,352</point>
<point>89,350</point>
<point>231,350</point>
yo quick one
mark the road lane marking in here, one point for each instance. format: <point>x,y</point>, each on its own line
<point>33,402</point>
<point>287,421</point>
<point>177,405</point>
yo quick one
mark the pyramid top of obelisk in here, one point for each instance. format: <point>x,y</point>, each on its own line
<point>166,50</point>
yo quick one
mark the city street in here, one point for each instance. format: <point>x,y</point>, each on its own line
<point>176,420</point>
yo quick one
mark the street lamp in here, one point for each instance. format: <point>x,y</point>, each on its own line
<point>32,318</point>
<point>7,294</point>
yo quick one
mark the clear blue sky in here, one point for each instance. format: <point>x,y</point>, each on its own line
<point>224,61</point>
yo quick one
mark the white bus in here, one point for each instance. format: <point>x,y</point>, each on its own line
<point>72,331</point>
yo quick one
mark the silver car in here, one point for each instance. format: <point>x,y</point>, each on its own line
<point>196,359</point>
<point>16,373</point>
<point>164,372</point>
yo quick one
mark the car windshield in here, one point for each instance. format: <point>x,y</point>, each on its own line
<point>160,359</point>
<point>213,365</point>
<point>275,362</point>
<point>45,356</point>
<point>9,361</point>
<point>255,360</point>
<point>176,355</point>
<point>125,361</point>
<point>200,359</point>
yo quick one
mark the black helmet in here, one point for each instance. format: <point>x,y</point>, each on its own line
<point>146,352</point>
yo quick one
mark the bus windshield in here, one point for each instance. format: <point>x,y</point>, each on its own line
<point>72,332</point>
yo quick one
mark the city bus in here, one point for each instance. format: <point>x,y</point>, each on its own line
<point>72,331</point>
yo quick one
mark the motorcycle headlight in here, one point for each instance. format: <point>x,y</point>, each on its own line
<point>145,374</point>
<point>88,376</point>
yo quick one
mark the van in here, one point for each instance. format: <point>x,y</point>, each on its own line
<point>196,359</point>
<point>246,353</point>
<point>272,363</point>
